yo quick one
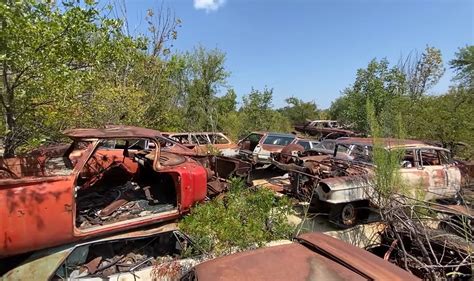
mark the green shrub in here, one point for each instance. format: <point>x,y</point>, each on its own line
<point>245,218</point>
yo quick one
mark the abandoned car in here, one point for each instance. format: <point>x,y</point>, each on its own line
<point>312,256</point>
<point>343,187</point>
<point>257,147</point>
<point>160,253</point>
<point>107,180</point>
<point>304,147</point>
<point>206,142</point>
<point>324,129</point>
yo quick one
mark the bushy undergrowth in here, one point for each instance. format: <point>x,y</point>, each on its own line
<point>245,218</point>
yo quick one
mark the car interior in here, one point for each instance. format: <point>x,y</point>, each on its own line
<point>120,183</point>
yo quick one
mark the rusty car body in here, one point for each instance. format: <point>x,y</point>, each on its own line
<point>159,253</point>
<point>305,147</point>
<point>205,142</point>
<point>257,147</point>
<point>343,186</point>
<point>107,180</point>
<point>324,129</point>
<point>312,256</point>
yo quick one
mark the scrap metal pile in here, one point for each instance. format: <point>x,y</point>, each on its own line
<point>306,175</point>
<point>162,255</point>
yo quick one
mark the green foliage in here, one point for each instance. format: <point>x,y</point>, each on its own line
<point>379,84</point>
<point>245,218</point>
<point>446,118</point>
<point>49,54</point>
<point>298,111</point>
<point>205,74</point>
<point>387,162</point>
<point>423,72</point>
<point>463,64</point>
<point>257,113</point>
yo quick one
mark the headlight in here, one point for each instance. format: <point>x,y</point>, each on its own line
<point>325,188</point>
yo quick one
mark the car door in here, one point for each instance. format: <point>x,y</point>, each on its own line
<point>435,178</point>
<point>248,144</point>
<point>412,176</point>
<point>453,182</point>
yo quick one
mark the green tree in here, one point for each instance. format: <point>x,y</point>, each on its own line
<point>446,118</point>
<point>381,85</point>
<point>48,55</point>
<point>423,72</point>
<point>463,65</point>
<point>257,113</point>
<point>205,76</point>
<point>227,116</point>
<point>298,111</point>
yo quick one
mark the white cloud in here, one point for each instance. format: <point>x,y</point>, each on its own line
<point>208,5</point>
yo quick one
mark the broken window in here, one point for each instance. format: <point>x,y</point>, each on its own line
<point>183,139</point>
<point>218,139</point>
<point>407,159</point>
<point>430,157</point>
<point>200,139</point>
<point>304,144</point>
<point>166,255</point>
<point>117,185</point>
<point>328,145</point>
<point>251,141</point>
<point>361,153</point>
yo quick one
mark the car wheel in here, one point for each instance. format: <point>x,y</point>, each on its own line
<point>348,215</point>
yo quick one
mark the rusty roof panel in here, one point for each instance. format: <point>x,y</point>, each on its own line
<point>365,262</point>
<point>285,262</point>
<point>316,257</point>
<point>112,132</point>
<point>388,142</point>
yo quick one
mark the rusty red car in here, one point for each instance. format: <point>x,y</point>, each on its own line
<point>107,180</point>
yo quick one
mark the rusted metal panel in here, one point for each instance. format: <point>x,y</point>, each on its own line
<point>366,263</point>
<point>112,132</point>
<point>312,257</point>
<point>386,142</point>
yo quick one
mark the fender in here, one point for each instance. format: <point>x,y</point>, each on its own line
<point>345,189</point>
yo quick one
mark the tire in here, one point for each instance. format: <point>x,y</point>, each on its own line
<point>344,215</point>
<point>349,215</point>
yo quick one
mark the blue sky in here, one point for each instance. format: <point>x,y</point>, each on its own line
<point>311,49</point>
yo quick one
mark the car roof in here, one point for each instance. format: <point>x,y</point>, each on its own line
<point>315,256</point>
<point>112,131</point>
<point>387,142</point>
<point>324,121</point>
<point>183,133</point>
<point>274,134</point>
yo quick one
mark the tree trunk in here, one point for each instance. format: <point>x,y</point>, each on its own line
<point>7,101</point>
<point>9,141</point>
